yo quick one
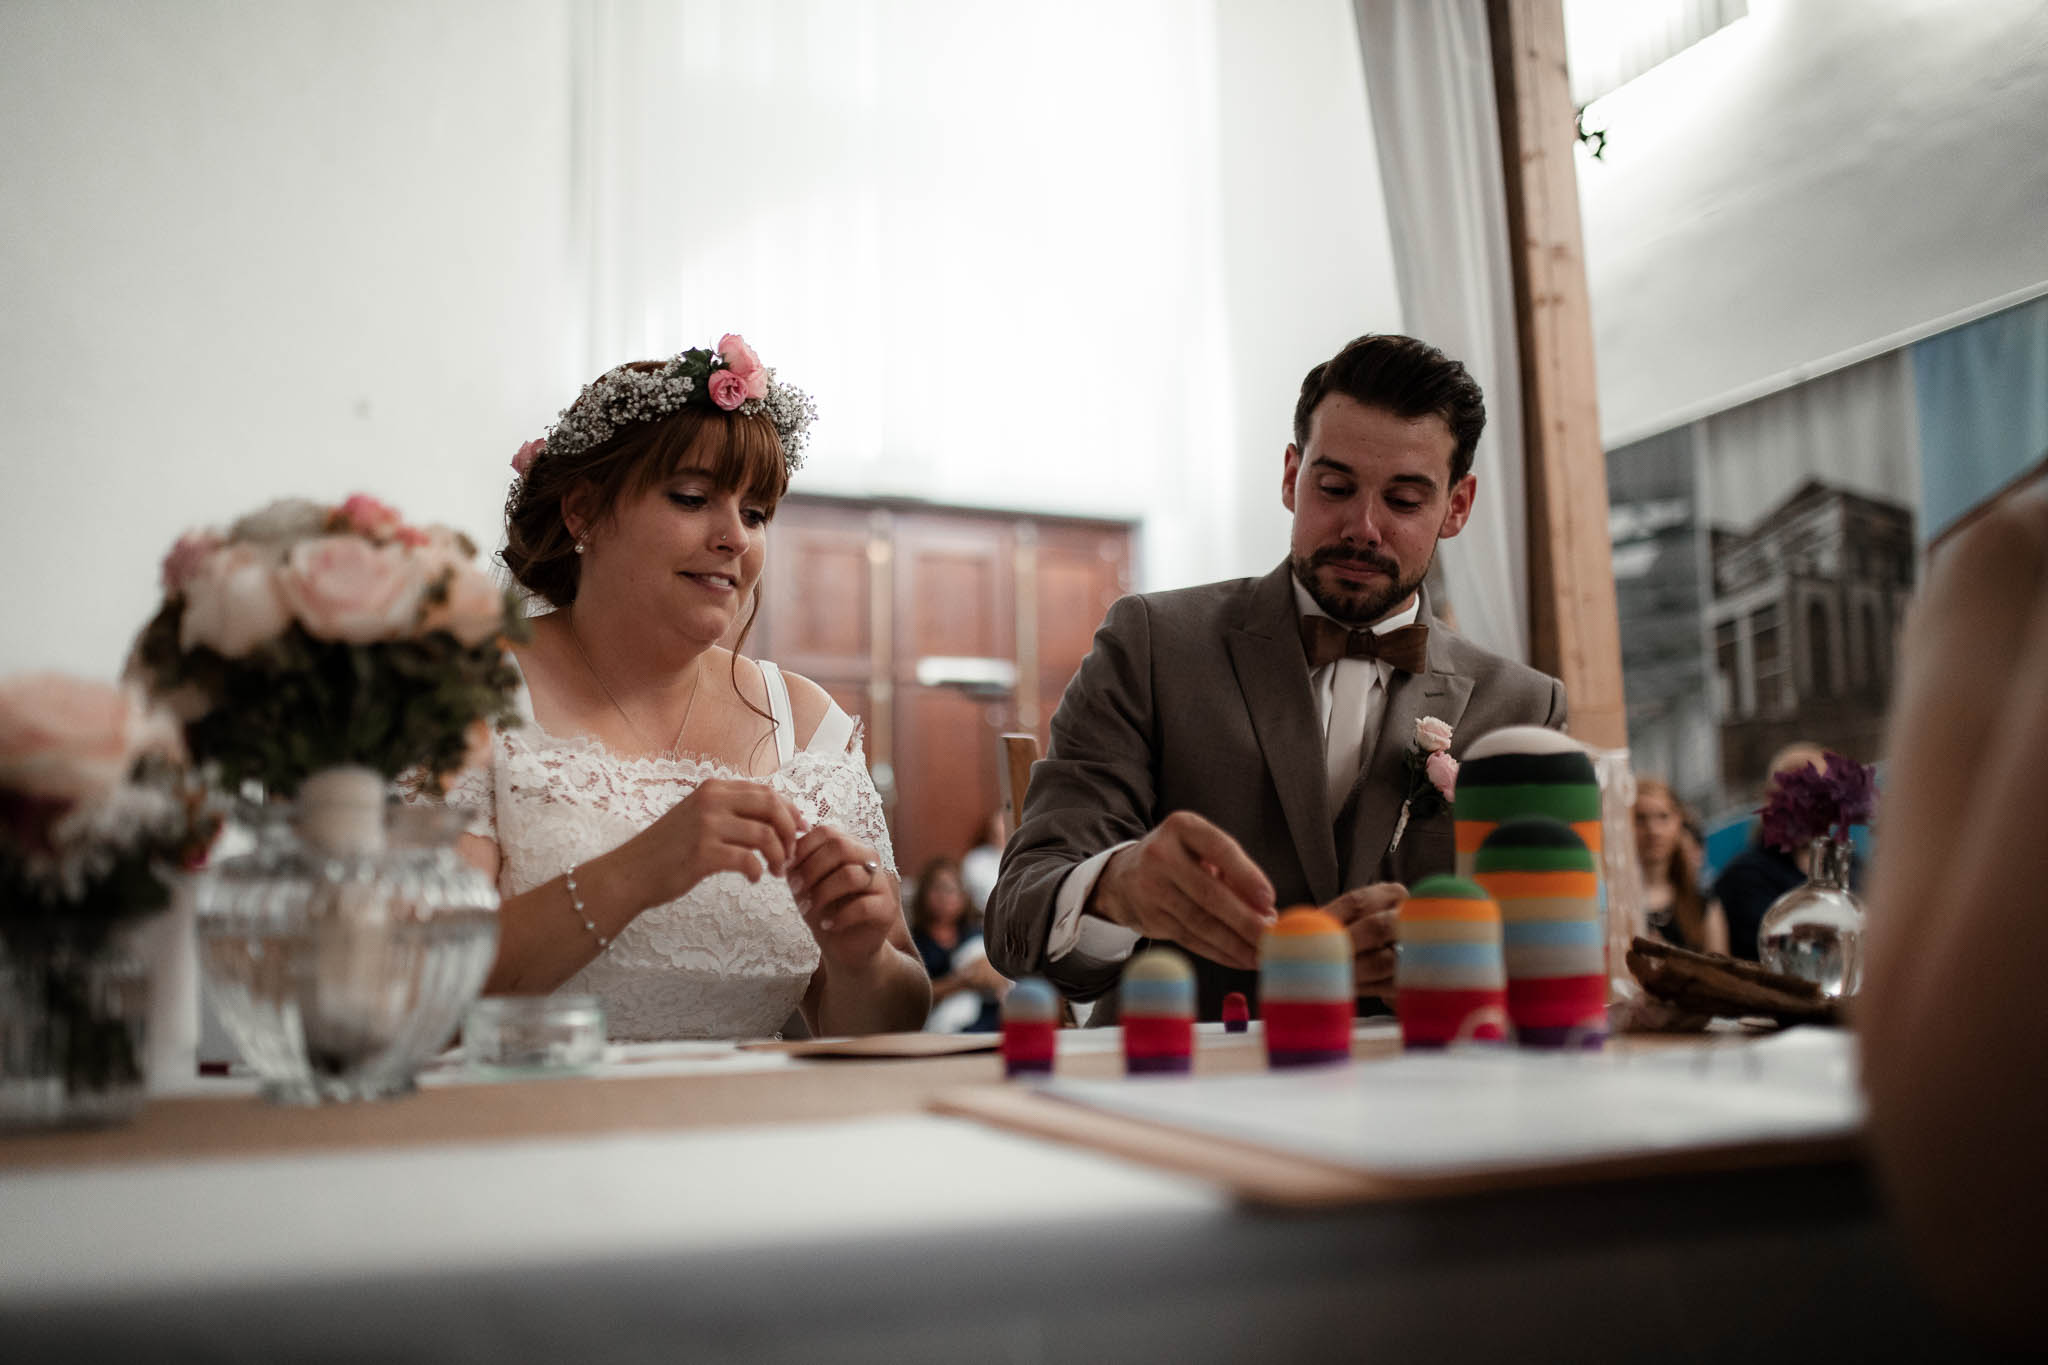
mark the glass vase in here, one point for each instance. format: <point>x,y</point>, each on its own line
<point>72,1035</point>
<point>1815,930</point>
<point>342,951</point>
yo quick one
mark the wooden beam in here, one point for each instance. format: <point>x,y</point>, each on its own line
<point>1575,632</point>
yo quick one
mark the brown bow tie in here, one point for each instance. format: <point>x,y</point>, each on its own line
<point>1325,641</point>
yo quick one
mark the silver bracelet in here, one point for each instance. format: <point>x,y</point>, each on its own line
<point>576,899</point>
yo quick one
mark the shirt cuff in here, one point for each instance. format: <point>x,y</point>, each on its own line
<point>1091,936</point>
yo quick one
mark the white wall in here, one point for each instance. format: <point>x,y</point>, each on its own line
<point>1815,183</point>
<point>249,250</point>
<point>1074,256</point>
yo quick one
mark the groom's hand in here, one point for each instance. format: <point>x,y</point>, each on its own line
<point>1188,882</point>
<point>1373,915</point>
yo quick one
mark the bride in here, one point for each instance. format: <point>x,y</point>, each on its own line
<point>688,834</point>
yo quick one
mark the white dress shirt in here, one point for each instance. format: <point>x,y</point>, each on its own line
<point>1351,696</point>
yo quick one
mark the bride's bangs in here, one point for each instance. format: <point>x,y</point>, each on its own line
<point>740,453</point>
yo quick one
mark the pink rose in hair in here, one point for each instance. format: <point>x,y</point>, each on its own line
<point>344,588</point>
<point>185,558</point>
<point>232,603</point>
<point>1432,735</point>
<point>523,461</point>
<point>741,360</point>
<point>728,390</point>
<point>1443,774</point>
<point>367,516</point>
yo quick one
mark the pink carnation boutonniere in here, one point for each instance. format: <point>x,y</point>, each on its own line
<point>1432,775</point>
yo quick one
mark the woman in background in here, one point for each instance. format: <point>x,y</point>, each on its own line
<point>1672,900</point>
<point>966,991</point>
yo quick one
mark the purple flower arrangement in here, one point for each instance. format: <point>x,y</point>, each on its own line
<point>1809,803</point>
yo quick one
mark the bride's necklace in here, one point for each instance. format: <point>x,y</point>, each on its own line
<point>673,752</point>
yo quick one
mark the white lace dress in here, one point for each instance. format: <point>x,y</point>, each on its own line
<point>732,958</point>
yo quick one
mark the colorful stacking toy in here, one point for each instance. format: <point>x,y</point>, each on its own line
<point>1305,990</point>
<point>1451,978</point>
<point>1157,1005</point>
<point>1237,1013</point>
<point>1524,770</point>
<point>1031,1019</point>
<point>1543,878</point>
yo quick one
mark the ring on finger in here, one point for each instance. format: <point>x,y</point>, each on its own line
<point>873,868</point>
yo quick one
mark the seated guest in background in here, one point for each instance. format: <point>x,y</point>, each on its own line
<point>980,864</point>
<point>1955,1039</point>
<point>1229,749</point>
<point>1677,910</point>
<point>1757,876</point>
<point>686,833</point>
<point>967,992</point>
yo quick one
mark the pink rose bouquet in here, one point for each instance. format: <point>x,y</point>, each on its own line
<point>95,806</point>
<point>309,636</point>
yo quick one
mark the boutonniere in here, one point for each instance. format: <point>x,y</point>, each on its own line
<point>1432,775</point>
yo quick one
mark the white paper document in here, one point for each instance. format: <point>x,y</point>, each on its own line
<point>1442,1113</point>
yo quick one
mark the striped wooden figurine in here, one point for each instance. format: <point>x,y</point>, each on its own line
<point>1450,973</point>
<point>1031,1020</point>
<point>1524,770</point>
<point>1306,989</point>
<point>1157,1005</point>
<point>1541,875</point>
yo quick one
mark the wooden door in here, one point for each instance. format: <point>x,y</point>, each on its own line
<point>941,628</point>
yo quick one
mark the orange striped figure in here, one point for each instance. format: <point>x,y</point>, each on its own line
<point>1553,942</point>
<point>1156,1002</point>
<point>1524,770</point>
<point>1451,976</point>
<point>1306,989</point>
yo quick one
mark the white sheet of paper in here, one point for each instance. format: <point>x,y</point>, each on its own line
<point>1485,1109</point>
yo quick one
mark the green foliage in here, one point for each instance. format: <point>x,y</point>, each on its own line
<point>35,921</point>
<point>298,704</point>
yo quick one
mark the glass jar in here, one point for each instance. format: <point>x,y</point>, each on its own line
<point>1815,930</point>
<point>72,1036</point>
<point>341,952</point>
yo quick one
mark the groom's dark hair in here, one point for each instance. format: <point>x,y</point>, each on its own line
<point>1408,378</point>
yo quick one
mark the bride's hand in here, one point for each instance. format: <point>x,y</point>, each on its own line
<point>724,826</point>
<point>846,899</point>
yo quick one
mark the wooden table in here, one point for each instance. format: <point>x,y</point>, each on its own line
<point>812,1210</point>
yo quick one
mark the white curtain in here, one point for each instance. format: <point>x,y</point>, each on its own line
<point>1429,74</point>
<point>984,237</point>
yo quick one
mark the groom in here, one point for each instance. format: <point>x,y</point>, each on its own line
<point>1241,747</point>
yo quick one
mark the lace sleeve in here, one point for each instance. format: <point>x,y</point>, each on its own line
<point>473,791</point>
<point>835,789</point>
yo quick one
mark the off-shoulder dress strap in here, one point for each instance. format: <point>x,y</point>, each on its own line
<point>522,700</point>
<point>778,707</point>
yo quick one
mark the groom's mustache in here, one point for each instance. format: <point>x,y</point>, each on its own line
<point>1331,554</point>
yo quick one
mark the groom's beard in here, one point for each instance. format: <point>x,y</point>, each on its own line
<point>1353,606</point>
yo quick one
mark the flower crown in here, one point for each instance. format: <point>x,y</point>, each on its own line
<point>731,379</point>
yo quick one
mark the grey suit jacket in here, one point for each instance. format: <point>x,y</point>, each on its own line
<point>1199,700</point>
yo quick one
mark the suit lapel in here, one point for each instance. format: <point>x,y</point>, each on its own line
<point>1265,652</point>
<point>1374,806</point>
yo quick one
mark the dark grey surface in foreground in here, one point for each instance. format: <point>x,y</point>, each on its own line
<point>1751,1267</point>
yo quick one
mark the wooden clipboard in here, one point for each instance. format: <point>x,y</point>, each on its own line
<point>1263,1176</point>
<point>882,1045</point>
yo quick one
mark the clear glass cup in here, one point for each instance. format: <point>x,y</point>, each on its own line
<point>534,1035</point>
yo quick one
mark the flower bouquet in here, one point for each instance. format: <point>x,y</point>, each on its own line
<point>96,809</point>
<point>309,637</point>
<point>321,652</point>
<point>1815,930</point>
